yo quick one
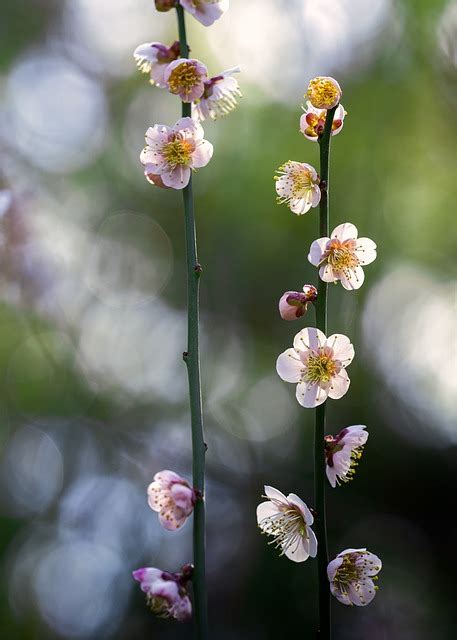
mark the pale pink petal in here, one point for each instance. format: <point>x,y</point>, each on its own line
<point>333,567</point>
<point>202,154</point>
<point>350,550</point>
<point>374,564</point>
<point>289,366</point>
<point>315,195</point>
<point>342,597</point>
<point>356,436</point>
<point>331,475</point>
<point>317,250</point>
<point>345,231</point>
<point>309,338</point>
<point>326,273</point>
<point>274,494</point>
<point>365,251</point>
<point>310,396</point>
<point>183,497</point>
<point>167,476</point>
<point>312,543</point>
<point>189,128</point>
<point>182,609</point>
<point>172,519</point>
<point>300,205</point>
<point>353,278</point>
<point>158,75</point>
<point>178,178</point>
<point>147,576</point>
<point>158,135</point>
<point>265,510</point>
<point>343,349</point>
<point>339,385</point>
<point>167,589</point>
<point>298,502</point>
<point>298,552</point>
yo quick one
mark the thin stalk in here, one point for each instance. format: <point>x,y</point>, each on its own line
<point>192,360</point>
<point>324,628</point>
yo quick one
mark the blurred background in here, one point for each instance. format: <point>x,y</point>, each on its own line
<point>93,395</point>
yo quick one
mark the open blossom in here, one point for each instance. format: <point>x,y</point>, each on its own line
<point>185,78</point>
<point>352,574</point>
<point>312,122</point>
<point>171,153</point>
<point>154,58</point>
<point>219,96</point>
<point>341,256</point>
<point>297,185</point>
<point>318,365</point>
<point>288,521</point>
<point>342,453</point>
<point>205,11</point>
<point>166,592</point>
<point>324,92</point>
<point>172,498</point>
<point>294,304</point>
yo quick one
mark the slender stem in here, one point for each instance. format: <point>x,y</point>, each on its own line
<point>324,629</point>
<point>192,360</point>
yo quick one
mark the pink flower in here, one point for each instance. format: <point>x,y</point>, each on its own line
<point>173,152</point>
<point>324,92</point>
<point>166,593</point>
<point>185,78</point>
<point>288,521</point>
<point>352,574</point>
<point>294,304</point>
<point>154,58</point>
<point>205,11</point>
<point>343,452</point>
<point>172,498</point>
<point>318,365</point>
<point>312,122</point>
<point>219,96</point>
<point>341,257</point>
<point>297,185</point>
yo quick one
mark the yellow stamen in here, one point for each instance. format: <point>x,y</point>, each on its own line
<point>177,152</point>
<point>320,368</point>
<point>183,78</point>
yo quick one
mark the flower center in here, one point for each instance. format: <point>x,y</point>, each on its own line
<point>322,93</point>
<point>320,368</point>
<point>183,78</point>
<point>287,527</point>
<point>347,573</point>
<point>177,152</point>
<point>159,605</point>
<point>301,182</point>
<point>341,256</point>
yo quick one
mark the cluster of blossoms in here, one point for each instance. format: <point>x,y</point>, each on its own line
<point>316,363</point>
<point>169,157</point>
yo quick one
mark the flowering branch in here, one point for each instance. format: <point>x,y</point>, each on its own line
<point>192,360</point>
<point>319,431</point>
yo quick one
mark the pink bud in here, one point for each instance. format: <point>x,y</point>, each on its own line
<point>294,304</point>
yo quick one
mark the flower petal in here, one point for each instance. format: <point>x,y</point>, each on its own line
<point>343,350</point>
<point>274,494</point>
<point>309,338</point>
<point>310,396</point>
<point>289,366</point>
<point>317,250</point>
<point>365,250</point>
<point>265,510</point>
<point>202,154</point>
<point>339,385</point>
<point>326,273</point>
<point>178,178</point>
<point>298,502</point>
<point>352,278</point>
<point>345,231</point>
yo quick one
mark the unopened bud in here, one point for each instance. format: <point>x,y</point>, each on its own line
<point>165,5</point>
<point>294,304</point>
<point>323,92</point>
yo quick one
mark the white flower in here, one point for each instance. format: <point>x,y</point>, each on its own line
<point>205,11</point>
<point>351,575</point>
<point>173,152</point>
<point>312,122</point>
<point>342,453</point>
<point>318,365</point>
<point>341,256</point>
<point>297,185</point>
<point>219,96</point>
<point>154,58</point>
<point>288,521</point>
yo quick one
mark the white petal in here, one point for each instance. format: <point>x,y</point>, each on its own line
<point>339,385</point>
<point>265,510</point>
<point>341,597</point>
<point>345,231</point>
<point>158,135</point>
<point>289,366</point>
<point>310,396</point>
<point>333,567</point>
<point>315,195</point>
<point>365,250</point>
<point>298,552</point>
<point>316,251</point>
<point>274,494</point>
<point>374,564</point>
<point>352,278</point>
<point>202,154</point>
<point>309,338</point>
<point>343,349</point>
<point>331,475</point>
<point>326,273</point>
<point>178,178</point>
<point>189,128</point>
<point>300,205</point>
<point>298,502</point>
<point>312,543</point>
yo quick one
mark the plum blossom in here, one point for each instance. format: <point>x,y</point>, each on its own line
<point>205,11</point>
<point>219,96</point>
<point>342,453</point>
<point>323,92</point>
<point>185,77</point>
<point>172,498</point>
<point>312,122</point>
<point>288,521</point>
<point>297,185</point>
<point>171,153</point>
<point>154,58</point>
<point>294,304</point>
<point>341,256</point>
<point>165,5</point>
<point>318,365</point>
<point>166,593</point>
<point>352,574</point>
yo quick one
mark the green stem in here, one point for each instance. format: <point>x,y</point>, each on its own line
<point>324,629</point>
<point>192,360</point>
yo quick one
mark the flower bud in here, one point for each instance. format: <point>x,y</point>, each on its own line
<point>165,5</point>
<point>323,92</point>
<point>294,304</point>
